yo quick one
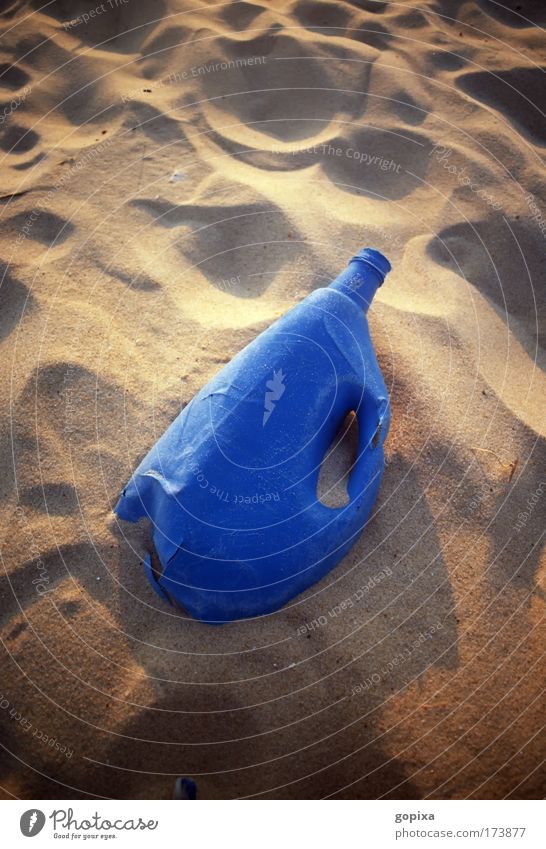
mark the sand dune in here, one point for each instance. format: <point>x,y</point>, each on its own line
<point>173,179</point>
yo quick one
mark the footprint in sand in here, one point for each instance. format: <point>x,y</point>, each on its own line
<point>324,18</point>
<point>251,229</point>
<point>491,258</point>
<point>386,165</point>
<point>16,301</point>
<point>522,15</point>
<point>283,96</point>
<point>155,124</point>
<point>55,499</point>
<point>47,227</point>
<point>241,15</point>
<point>12,77</point>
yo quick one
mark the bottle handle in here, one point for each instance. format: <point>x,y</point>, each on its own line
<point>372,408</point>
<point>373,417</point>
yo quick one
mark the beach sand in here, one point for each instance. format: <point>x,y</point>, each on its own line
<point>175,176</point>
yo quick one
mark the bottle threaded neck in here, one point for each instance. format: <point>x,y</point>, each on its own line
<point>376,259</point>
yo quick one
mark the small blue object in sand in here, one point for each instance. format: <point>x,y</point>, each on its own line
<point>185,788</point>
<point>231,486</point>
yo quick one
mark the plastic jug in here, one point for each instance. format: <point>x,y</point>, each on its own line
<point>231,486</point>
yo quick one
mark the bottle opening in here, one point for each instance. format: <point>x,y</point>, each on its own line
<point>363,276</point>
<point>375,259</point>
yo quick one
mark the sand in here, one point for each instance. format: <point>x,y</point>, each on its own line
<point>175,176</point>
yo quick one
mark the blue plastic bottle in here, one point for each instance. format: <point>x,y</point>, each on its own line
<point>231,486</point>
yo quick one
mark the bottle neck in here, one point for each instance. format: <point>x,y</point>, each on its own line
<point>362,277</point>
